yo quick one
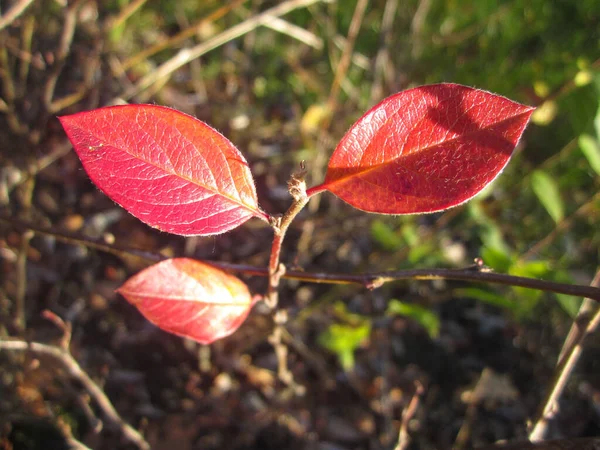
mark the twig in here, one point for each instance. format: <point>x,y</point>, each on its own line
<point>25,62</point>
<point>276,339</point>
<point>14,12</point>
<point>65,358</point>
<point>185,55</point>
<point>557,444</point>
<point>297,189</point>
<point>568,359</point>
<point>21,269</point>
<point>370,280</point>
<point>65,327</point>
<point>124,14</point>
<point>8,84</point>
<point>66,39</point>
<point>9,94</point>
<point>41,164</point>
<point>407,415</point>
<point>360,60</point>
<point>74,444</point>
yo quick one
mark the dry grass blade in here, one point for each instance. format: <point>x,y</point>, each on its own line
<point>14,12</point>
<point>300,34</point>
<point>184,56</point>
<point>180,37</point>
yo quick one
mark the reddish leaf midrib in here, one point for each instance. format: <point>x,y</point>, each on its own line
<point>325,185</point>
<point>255,212</point>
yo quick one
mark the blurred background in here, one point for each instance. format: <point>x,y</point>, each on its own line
<point>284,81</point>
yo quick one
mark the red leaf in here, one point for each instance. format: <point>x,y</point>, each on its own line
<point>425,149</point>
<point>168,169</point>
<point>189,298</point>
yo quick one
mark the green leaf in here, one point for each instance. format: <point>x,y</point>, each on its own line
<point>423,316</point>
<point>527,299</point>
<point>384,236</point>
<point>495,252</point>
<point>569,304</point>
<point>591,150</point>
<point>597,123</point>
<point>343,340</point>
<point>410,234</point>
<point>496,258</point>
<point>343,315</point>
<point>486,296</point>
<point>547,192</point>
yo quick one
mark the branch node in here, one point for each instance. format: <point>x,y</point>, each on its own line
<point>374,283</point>
<point>275,222</point>
<point>297,184</point>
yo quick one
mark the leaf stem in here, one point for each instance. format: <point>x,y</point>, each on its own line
<point>315,190</point>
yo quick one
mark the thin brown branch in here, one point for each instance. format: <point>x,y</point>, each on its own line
<point>582,328</point>
<point>19,320</point>
<point>8,84</point>
<point>66,39</point>
<point>297,188</point>
<point>71,366</point>
<point>370,280</point>
<point>407,415</point>
<point>557,444</point>
<point>15,11</point>
<point>27,32</point>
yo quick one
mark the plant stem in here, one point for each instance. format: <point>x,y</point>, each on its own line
<point>297,188</point>
<point>370,280</point>
<point>582,328</point>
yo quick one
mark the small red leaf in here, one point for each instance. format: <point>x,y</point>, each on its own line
<point>189,298</point>
<point>425,149</point>
<point>168,169</point>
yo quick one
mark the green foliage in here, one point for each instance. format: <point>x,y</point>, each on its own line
<point>384,236</point>
<point>486,296</point>
<point>568,303</point>
<point>546,190</point>
<point>591,150</point>
<point>508,45</point>
<point>344,338</point>
<point>423,316</point>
